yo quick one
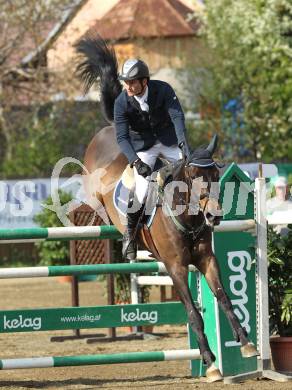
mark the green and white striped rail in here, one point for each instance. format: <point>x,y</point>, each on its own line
<point>59,233</point>
<point>92,269</point>
<point>94,232</point>
<point>86,360</point>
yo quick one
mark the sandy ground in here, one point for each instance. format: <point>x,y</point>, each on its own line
<point>32,293</point>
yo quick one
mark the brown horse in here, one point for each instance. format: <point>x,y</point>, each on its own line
<point>178,241</point>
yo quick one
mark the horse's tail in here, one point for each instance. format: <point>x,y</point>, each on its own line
<point>99,62</point>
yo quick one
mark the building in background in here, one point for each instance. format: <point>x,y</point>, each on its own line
<point>161,32</point>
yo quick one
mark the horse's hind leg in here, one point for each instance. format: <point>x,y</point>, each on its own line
<point>179,275</point>
<point>209,267</point>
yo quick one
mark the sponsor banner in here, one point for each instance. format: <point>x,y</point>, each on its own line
<point>236,255</point>
<point>20,200</point>
<point>91,317</point>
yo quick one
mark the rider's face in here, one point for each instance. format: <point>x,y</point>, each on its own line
<point>135,87</point>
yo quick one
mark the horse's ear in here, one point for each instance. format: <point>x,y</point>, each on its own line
<point>213,144</point>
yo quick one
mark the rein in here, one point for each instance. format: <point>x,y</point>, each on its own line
<point>189,232</point>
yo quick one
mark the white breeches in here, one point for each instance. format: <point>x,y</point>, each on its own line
<point>170,153</point>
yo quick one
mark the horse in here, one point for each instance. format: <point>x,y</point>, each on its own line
<point>177,240</point>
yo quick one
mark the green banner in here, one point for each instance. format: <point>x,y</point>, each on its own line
<point>236,253</point>
<point>91,317</point>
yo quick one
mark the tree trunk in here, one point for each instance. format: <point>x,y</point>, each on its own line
<point>6,152</point>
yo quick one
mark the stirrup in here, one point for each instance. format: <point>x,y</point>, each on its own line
<point>129,252</point>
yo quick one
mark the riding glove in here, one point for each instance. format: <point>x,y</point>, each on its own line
<point>142,168</point>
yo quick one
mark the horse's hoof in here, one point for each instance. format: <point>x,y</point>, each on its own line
<point>213,374</point>
<point>249,350</point>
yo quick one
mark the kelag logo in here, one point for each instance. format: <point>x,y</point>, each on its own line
<point>20,322</point>
<point>239,262</point>
<point>137,315</point>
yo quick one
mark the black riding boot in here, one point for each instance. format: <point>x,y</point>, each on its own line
<point>129,250</point>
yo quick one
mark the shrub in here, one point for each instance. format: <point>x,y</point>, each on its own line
<point>53,252</point>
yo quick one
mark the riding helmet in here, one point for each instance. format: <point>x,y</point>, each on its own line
<point>134,69</point>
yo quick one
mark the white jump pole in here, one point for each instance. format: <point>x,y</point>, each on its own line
<point>264,361</point>
<point>141,255</point>
<point>262,274</point>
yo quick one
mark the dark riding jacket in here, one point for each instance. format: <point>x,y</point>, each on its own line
<point>138,130</point>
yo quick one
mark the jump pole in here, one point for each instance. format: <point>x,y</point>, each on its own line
<point>9,236</point>
<point>59,234</point>
<point>264,362</point>
<point>86,360</point>
<point>90,269</point>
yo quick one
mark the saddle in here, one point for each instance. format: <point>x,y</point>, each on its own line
<point>162,173</point>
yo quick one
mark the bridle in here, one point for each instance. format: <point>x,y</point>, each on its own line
<point>186,230</point>
<point>189,182</point>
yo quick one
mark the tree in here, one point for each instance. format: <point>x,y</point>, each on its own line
<point>28,28</point>
<point>250,42</point>
<point>39,140</point>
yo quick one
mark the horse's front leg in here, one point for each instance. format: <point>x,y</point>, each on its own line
<point>208,266</point>
<point>179,275</point>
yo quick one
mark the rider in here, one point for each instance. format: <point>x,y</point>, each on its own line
<point>149,121</point>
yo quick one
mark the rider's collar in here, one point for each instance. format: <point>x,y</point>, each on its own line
<point>144,97</point>
<point>142,100</point>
